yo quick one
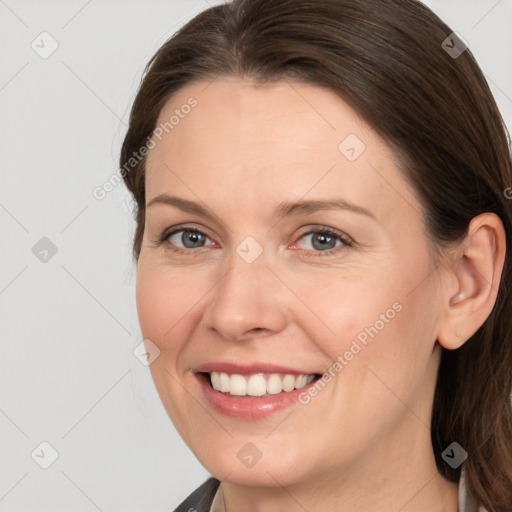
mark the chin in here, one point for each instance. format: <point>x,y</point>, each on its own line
<point>243,467</point>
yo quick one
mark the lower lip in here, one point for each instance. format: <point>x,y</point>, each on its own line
<point>249,407</point>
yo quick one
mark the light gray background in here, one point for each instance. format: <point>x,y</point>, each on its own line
<point>69,326</point>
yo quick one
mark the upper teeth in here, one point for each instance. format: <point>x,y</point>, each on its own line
<point>258,384</point>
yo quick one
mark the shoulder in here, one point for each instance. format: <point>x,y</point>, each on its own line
<point>201,499</point>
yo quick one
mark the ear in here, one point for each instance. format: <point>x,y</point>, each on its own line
<point>475,273</point>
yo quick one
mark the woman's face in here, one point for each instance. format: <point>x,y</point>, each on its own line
<point>268,271</point>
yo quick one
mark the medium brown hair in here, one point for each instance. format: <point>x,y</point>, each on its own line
<point>385,59</point>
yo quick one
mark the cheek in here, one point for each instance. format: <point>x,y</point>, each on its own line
<point>346,308</point>
<point>378,318</point>
<point>386,341</point>
<point>165,300</point>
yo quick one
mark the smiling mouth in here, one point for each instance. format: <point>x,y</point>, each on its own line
<point>257,384</point>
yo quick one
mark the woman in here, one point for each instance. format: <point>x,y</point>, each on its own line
<point>323,244</point>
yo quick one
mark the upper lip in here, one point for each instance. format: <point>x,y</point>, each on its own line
<point>244,369</point>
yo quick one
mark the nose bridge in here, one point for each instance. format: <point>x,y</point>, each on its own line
<point>244,299</point>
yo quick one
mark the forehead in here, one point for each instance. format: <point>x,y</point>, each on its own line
<point>240,118</point>
<point>283,140</point>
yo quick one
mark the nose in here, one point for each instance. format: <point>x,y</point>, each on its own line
<point>247,301</point>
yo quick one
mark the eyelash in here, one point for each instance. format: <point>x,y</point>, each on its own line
<point>347,241</point>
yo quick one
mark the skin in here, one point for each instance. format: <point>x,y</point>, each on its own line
<point>364,440</point>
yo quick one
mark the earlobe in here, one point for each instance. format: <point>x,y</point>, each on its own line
<point>477,273</point>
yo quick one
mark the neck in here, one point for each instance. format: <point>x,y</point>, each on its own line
<point>395,476</point>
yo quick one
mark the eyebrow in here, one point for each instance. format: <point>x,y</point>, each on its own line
<point>284,209</point>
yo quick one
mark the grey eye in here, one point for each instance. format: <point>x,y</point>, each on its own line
<point>321,241</point>
<point>188,239</point>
